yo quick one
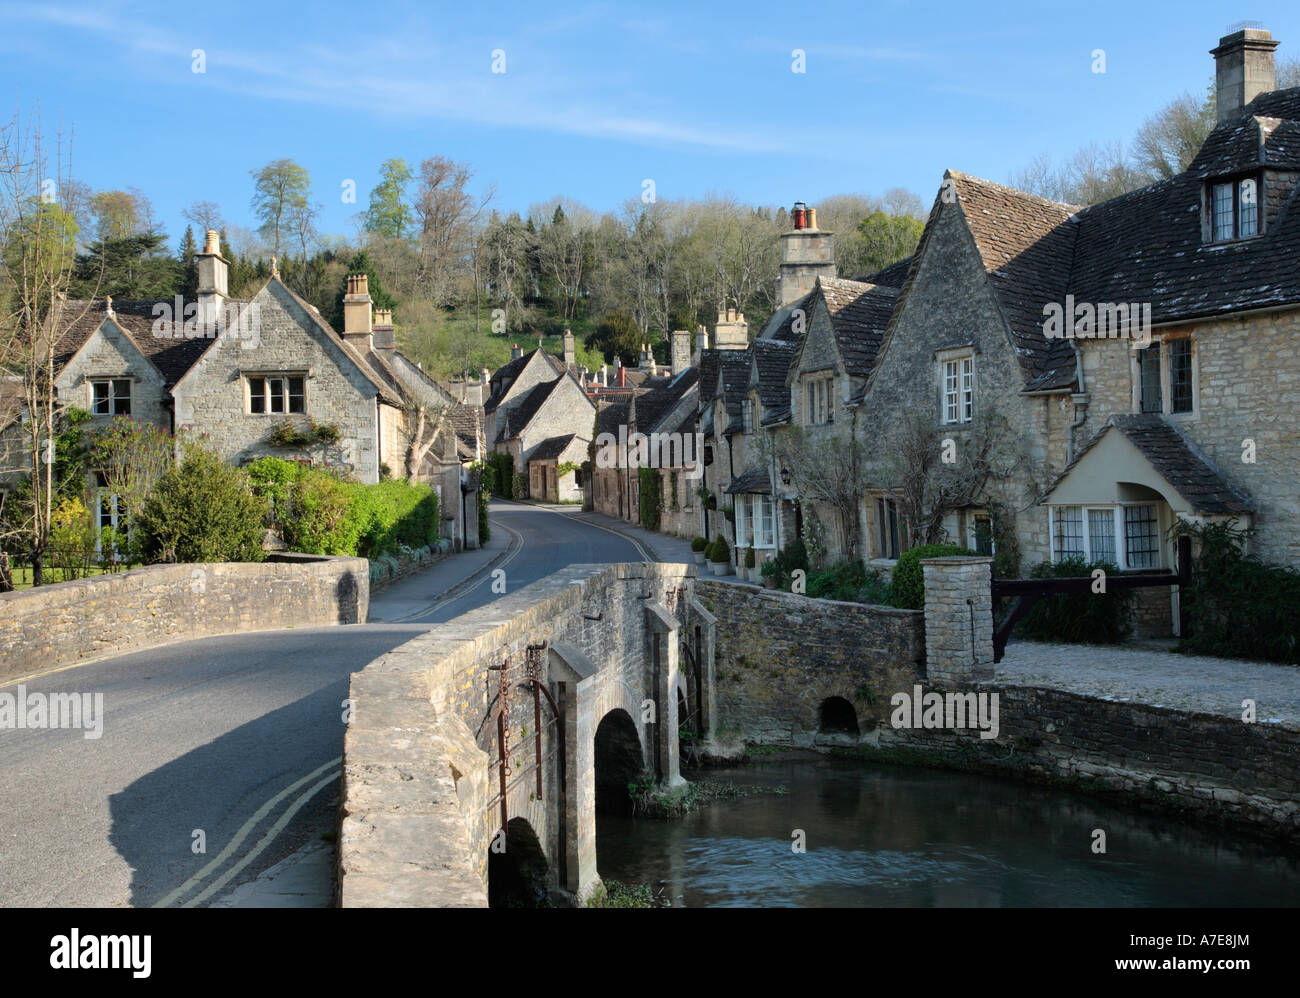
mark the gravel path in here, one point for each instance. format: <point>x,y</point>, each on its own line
<point>1163,679</point>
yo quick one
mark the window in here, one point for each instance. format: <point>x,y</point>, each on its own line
<point>761,507</point>
<point>958,390</point>
<point>1234,209</point>
<point>1092,533</point>
<point>1165,377</point>
<point>1180,375</point>
<point>981,534</point>
<point>819,408</point>
<point>110,515</point>
<point>111,398</point>
<point>886,528</point>
<point>1150,398</point>
<point>276,394</point>
<point>747,414</point>
<point>742,531</point>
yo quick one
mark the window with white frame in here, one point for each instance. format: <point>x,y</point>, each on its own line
<point>979,531</point>
<point>110,397</point>
<point>110,514</point>
<point>747,415</point>
<point>957,381</point>
<point>763,521</point>
<point>1127,536</point>
<point>274,394</point>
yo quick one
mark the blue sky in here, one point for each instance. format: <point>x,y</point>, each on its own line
<point>598,97</point>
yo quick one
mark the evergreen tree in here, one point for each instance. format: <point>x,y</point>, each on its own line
<point>189,265</point>
<point>361,264</point>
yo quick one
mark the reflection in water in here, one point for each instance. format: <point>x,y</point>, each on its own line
<point>893,837</point>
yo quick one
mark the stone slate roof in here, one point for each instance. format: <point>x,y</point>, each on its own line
<point>507,374</point>
<point>1027,244</point>
<point>521,414</point>
<point>551,448</point>
<point>772,359</point>
<point>859,315</point>
<point>1175,461</point>
<point>892,276</point>
<point>733,377</point>
<point>655,403</point>
<point>754,480</point>
<point>708,367</point>
<point>467,421</point>
<point>173,356</point>
<point>611,417</point>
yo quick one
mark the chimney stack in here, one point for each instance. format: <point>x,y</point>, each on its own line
<point>807,253</point>
<point>569,357</point>
<point>383,329</point>
<point>731,332</point>
<point>486,377</point>
<point>356,313</point>
<point>213,272</point>
<point>679,341</point>
<point>516,352</point>
<point>1243,69</point>
<point>604,375</point>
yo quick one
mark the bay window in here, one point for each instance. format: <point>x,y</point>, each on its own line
<point>1126,536</point>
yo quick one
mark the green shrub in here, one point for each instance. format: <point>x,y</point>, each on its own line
<point>499,473</point>
<point>272,479</point>
<point>791,557</point>
<point>1236,605</point>
<point>841,581</point>
<point>201,510</point>
<point>699,544</point>
<point>650,497</point>
<point>319,517</point>
<point>1083,617</point>
<point>719,550</point>
<point>907,591</point>
<point>749,558</point>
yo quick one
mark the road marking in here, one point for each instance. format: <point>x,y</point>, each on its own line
<point>466,586</point>
<point>242,834</point>
<point>645,555</point>
<point>267,839</point>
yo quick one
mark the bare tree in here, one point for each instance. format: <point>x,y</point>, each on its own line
<point>206,215</point>
<point>37,253</point>
<point>445,213</point>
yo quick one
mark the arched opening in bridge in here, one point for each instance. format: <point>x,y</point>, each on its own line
<point>619,761</point>
<point>687,736</point>
<point>838,717</point>
<point>517,875</point>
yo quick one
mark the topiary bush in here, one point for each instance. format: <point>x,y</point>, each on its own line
<point>201,510</point>
<point>907,590</point>
<point>719,550</point>
<point>1079,618</point>
<point>699,544</point>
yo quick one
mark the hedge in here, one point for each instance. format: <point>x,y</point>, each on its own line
<point>907,589</point>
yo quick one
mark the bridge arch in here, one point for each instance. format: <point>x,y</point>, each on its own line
<point>619,760</point>
<point>518,873</point>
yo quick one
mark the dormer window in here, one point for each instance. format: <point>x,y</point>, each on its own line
<point>1234,209</point>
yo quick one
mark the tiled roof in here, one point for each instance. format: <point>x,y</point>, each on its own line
<point>859,315</point>
<point>467,420</point>
<point>734,379</point>
<point>892,276</point>
<point>709,366</point>
<point>519,415</point>
<point>655,403</point>
<point>508,373</point>
<point>1175,461</point>
<point>755,480</point>
<point>552,447</point>
<point>611,417</point>
<point>772,359</point>
<point>1027,244</point>
<point>173,356</point>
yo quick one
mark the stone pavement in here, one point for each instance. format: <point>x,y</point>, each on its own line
<point>414,593</point>
<point>1162,679</point>
<point>304,879</point>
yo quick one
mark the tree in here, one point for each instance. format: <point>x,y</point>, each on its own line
<point>131,454</point>
<point>132,267</point>
<point>887,239</point>
<point>389,215</point>
<point>281,191</point>
<point>445,213</point>
<point>828,468</point>
<point>186,257</point>
<point>121,214</point>
<point>206,215</point>
<point>38,251</point>
<point>1168,141</point>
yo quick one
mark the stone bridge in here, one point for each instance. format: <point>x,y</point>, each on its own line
<point>476,752</point>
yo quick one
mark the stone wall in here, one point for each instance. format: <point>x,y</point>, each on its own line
<point>779,657</point>
<point>1210,765</point>
<point>420,798</point>
<point>145,607</point>
<point>1243,369</point>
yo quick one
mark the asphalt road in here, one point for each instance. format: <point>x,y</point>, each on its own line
<point>229,743</point>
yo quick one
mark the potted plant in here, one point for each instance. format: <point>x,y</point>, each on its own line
<point>730,512</point>
<point>720,556</point>
<point>698,548</point>
<point>770,573</point>
<point>751,573</point>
